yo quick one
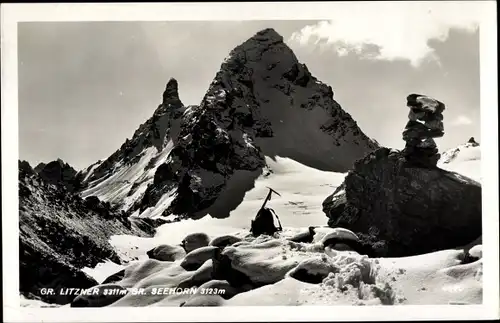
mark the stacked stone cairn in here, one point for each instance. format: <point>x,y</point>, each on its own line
<point>426,123</point>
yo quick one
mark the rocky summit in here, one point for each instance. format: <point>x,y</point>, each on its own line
<point>402,206</point>
<point>58,172</point>
<point>204,158</point>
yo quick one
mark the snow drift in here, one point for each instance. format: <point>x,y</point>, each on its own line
<point>283,272</point>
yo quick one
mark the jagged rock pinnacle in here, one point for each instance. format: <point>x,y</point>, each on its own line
<point>25,168</point>
<point>39,167</point>
<point>60,162</point>
<point>258,99</point>
<point>171,92</point>
<point>472,141</point>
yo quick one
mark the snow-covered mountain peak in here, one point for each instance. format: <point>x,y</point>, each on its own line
<point>123,177</point>
<point>203,159</point>
<point>262,102</point>
<point>467,151</point>
<point>464,159</point>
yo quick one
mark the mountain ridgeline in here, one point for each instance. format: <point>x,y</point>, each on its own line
<point>60,233</point>
<point>186,162</point>
<point>191,161</point>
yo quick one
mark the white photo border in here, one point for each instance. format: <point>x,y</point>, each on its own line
<point>14,13</point>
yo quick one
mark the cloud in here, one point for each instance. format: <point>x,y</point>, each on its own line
<point>461,120</point>
<point>396,30</point>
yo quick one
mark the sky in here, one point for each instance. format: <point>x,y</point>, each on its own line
<point>84,87</point>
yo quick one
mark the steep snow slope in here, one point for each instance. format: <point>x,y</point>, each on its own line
<point>127,183</point>
<point>464,159</point>
<point>430,279</point>
<point>189,162</point>
<point>85,174</point>
<point>302,189</point>
<point>123,178</point>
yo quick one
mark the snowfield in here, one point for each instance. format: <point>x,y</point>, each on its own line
<point>465,160</point>
<point>128,183</point>
<point>347,278</point>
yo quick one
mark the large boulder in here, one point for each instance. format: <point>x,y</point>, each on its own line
<point>194,241</point>
<point>400,209</point>
<point>166,252</point>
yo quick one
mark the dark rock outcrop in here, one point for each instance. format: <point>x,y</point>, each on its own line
<point>398,209</point>
<point>59,173</point>
<point>400,203</point>
<point>25,169</point>
<point>473,142</point>
<point>60,233</point>
<point>40,267</point>
<point>152,133</point>
<point>39,167</point>
<point>208,156</point>
<point>158,132</point>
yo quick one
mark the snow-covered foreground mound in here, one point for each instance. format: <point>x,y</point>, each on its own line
<point>277,271</point>
<point>302,191</point>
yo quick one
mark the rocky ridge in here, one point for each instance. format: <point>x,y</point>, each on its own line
<point>253,108</point>
<point>122,177</point>
<point>60,233</point>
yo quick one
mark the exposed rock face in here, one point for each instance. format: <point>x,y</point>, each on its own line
<point>25,169</point>
<point>400,203</point>
<point>59,173</point>
<point>473,142</point>
<point>253,108</point>
<point>426,123</point>
<point>60,233</point>
<point>464,159</point>
<point>39,167</point>
<point>123,178</point>
<point>399,209</point>
<point>40,267</point>
<point>153,132</point>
